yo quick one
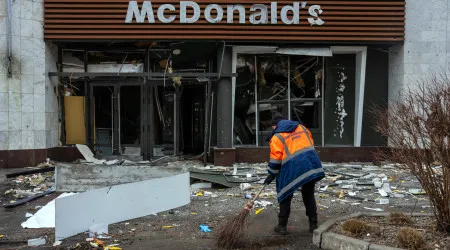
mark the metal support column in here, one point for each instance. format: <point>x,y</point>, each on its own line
<point>176,127</point>
<point>224,100</point>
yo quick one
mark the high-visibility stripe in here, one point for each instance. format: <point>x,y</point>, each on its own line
<point>296,154</point>
<point>273,171</point>
<point>298,180</point>
<point>274,161</point>
<point>307,135</point>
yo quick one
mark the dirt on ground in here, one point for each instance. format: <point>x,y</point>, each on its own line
<point>384,230</point>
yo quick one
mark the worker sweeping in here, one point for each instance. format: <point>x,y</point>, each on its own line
<point>294,163</point>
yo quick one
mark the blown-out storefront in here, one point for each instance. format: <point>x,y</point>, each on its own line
<point>157,78</point>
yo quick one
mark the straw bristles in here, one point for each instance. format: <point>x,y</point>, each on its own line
<point>230,233</point>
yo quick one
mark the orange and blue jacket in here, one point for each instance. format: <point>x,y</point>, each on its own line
<point>293,158</point>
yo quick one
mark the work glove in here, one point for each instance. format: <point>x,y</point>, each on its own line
<point>269,179</point>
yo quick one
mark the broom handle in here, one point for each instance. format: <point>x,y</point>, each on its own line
<point>260,191</point>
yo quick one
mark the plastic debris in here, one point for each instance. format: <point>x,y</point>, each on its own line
<point>111,247</point>
<point>352,193</point>
<point>262,204</point>
<point>259,210</point>
<point>374,209</point>
<point>382,192</point>
<point>384,201</point>
<point>167,227</point>
<point>347,186</point>
<point>416,191</point>
<point>193,213</point>
<point>245,186</point>
<point>2,236</point>
<point>205,229</point>
<point>36,242</point>
<point>28,215</point>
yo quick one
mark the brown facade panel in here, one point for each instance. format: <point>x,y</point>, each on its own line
<point>352,21</point>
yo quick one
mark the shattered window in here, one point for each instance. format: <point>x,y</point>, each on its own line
<point>273,84</point>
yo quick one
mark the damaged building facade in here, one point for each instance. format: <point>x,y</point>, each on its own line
<point>159,78</point>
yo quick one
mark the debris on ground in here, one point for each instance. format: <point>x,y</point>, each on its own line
<point>36,242</point>
<point>205,229</point>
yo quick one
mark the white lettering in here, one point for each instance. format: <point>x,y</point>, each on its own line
<point>161,16</point>
<point>230,13</point>
<point>262,14</point>
<point>133,10</point>
<point>214,13</point>
<point>273,13</point>
<point>295,9</point>
<point>315,11</point>
<point>183,12</point>
<point>219,16</point>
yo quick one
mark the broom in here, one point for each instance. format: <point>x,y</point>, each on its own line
<point>230,232</point>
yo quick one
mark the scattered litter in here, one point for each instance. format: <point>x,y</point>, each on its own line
<point>245,186</point>
<point>324,188</point>
<point>416,191</point>
<point>387,188</point>
<point>347,186</point>
<point>248,196</point>
<point>355,204</point>
<point>258,204</point>
<point>426,206</point>
<point>352,193</point>
<point>324,195</point>
<point>341,194</point>
<point>193,213</point>
<point>377,184</point>
<point>206,193</point>
<point>36,242</point>
<point>259,210</point>
<point>167,227</point>
<point>382,192</point>
<point>28,215</point>
<point>2,236</point>
<point>113,247</point>
<point>399,195</point>
<point>374,209</point>
<point>205,229</point>
<point>57,243</point>
<point>384,201</point>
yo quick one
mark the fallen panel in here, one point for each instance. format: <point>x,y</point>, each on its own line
<point>217,178</point>
<point>45,217</point>
<point>75,214</point>
<point>87,154</point>
<point>80,178</point>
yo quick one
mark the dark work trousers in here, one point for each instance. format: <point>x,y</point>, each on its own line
<point>308,199</point>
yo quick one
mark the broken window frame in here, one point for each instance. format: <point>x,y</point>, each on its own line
<point>287,101</point>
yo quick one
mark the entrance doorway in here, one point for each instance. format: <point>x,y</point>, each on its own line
<point>116,116</point>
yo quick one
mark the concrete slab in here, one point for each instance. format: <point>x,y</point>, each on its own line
<point>81,178</point>
<point>76,213</point>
